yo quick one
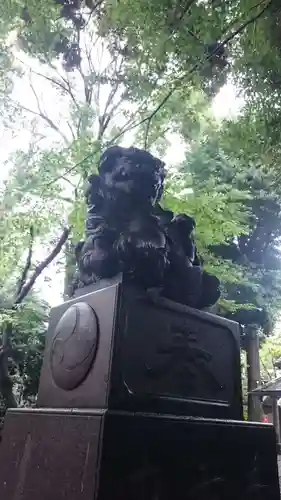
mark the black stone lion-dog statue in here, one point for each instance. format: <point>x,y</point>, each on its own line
<point>128,232</point>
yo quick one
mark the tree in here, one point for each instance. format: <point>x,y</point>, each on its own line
<point>112,82</point>
<point>22,313</point>
<point>255,299</point>
<point>45,178</point>
<point>87,124</point>
<point>255,249</point>
<point>22,325</point>
<point>26,347</point>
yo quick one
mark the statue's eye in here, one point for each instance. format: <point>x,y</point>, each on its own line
<point>122,174</point>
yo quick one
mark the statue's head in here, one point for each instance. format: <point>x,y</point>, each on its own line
<point>132,172</point>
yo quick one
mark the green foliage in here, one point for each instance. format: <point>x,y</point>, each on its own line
<point>29,324</point>
<point>270,352</point>
<point>29,340</point>
<point>219,214</point>
<point>182,34</point>
<point>254,246</point>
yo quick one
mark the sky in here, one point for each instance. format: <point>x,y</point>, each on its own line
<point>225,104</point>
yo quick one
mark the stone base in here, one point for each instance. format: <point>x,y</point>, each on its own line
<point>105,455</point>
<point>115,347</point>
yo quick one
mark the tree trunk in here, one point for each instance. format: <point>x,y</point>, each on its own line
<point>253,367</point>
<point>6,386</point>
<point>70,269</point>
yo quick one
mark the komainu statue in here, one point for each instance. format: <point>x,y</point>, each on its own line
<point>128,232</point>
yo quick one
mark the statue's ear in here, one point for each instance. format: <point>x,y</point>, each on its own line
<point>198,261</point>
<point>109,158</point>
<point>92,185</point>
<point>92,179</point>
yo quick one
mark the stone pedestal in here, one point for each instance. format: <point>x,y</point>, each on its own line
<point>107,455</point>
<point>116,348</point>
<point>139,398</point>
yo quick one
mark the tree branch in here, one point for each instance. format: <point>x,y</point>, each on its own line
<point>128,126</point>
<point>27,266</point>
<point>179,16</point>
<point>230,37</point>
<point>38,270</point>
<point>65,80</point>
<point>6,384</point>
<point>43,115</point>
<point>66,88</point>
<point>108,113</point>
<point>265,369</point>
<point>52,80</point>
<point>71,130</point>
<point>87,88</point>
<point>147,119</point>
<point>246,23</point>
<point>95,6</point>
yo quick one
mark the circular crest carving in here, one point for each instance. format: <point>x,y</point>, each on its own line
<point>74,346</point>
